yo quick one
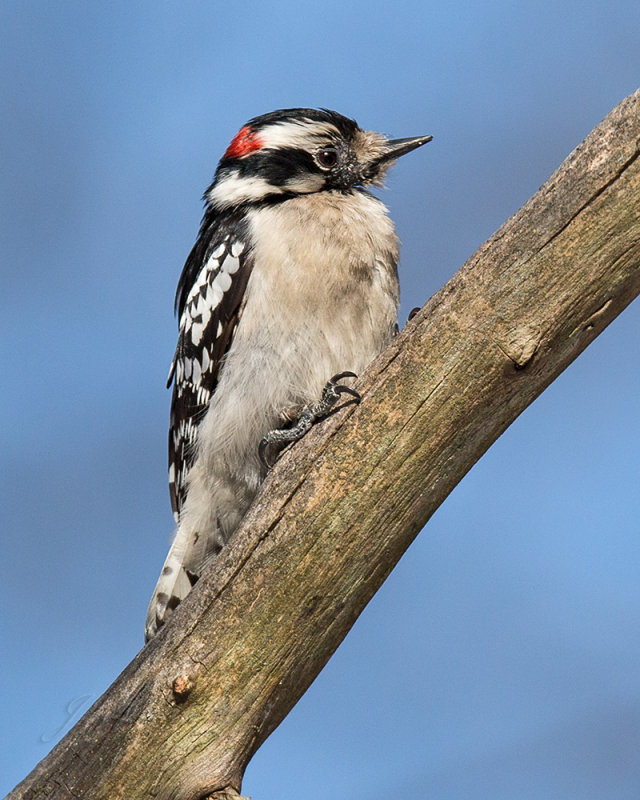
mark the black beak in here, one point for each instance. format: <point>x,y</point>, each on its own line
<point>398,147</point>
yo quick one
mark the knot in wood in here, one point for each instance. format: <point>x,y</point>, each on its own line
<point>182,687</point>
<point>520,344</point>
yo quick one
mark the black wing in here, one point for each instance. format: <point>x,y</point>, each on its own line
<point>209,302</point>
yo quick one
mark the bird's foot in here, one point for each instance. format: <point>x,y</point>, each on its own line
<point>310,414</point>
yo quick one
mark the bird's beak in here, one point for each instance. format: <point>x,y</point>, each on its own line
<point>398,147</point>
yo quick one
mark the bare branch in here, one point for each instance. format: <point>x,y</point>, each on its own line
<point>340,508</point>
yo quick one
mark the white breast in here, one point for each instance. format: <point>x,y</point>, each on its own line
<point>322,298</point>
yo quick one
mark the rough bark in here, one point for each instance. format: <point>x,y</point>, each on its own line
<point>341,507</point>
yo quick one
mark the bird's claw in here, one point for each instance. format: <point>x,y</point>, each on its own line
<point>310,414</point>
<point>331,394</point>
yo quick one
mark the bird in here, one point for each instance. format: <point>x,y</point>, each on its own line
<point>289,292</point>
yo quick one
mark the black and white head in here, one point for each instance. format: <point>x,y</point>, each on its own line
<point>300,151</point>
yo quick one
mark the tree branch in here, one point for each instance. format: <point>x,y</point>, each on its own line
<point>341,507</point>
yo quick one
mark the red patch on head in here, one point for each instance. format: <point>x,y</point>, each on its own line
<point>243,143</point>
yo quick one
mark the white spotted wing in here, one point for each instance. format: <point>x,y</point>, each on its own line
<point>209,301</point>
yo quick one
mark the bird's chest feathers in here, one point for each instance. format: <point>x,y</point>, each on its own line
<point>322,245</point>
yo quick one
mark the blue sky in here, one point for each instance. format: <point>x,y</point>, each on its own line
<point>501,658</point>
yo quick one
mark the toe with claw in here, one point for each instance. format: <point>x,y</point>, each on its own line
<point>310,414</point>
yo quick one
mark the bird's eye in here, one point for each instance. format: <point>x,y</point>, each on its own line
<point>327,157</point>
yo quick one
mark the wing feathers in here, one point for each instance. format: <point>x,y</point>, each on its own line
<point>209,310</point>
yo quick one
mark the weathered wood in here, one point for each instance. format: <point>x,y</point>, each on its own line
<point>341,507</point>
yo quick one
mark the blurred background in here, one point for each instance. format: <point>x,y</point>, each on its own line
<point>501,659</point>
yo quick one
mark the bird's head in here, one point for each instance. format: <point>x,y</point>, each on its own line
<point>300,151</point>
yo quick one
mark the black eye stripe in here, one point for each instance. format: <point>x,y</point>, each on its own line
<point>277,166</point>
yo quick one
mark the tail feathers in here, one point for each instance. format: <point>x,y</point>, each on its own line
<point>188,557</point>
<point>173,586</point>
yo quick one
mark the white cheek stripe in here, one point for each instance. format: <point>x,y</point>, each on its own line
<point>236,189</point>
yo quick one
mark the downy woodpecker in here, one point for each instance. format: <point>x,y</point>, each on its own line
<point>293,278</point>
